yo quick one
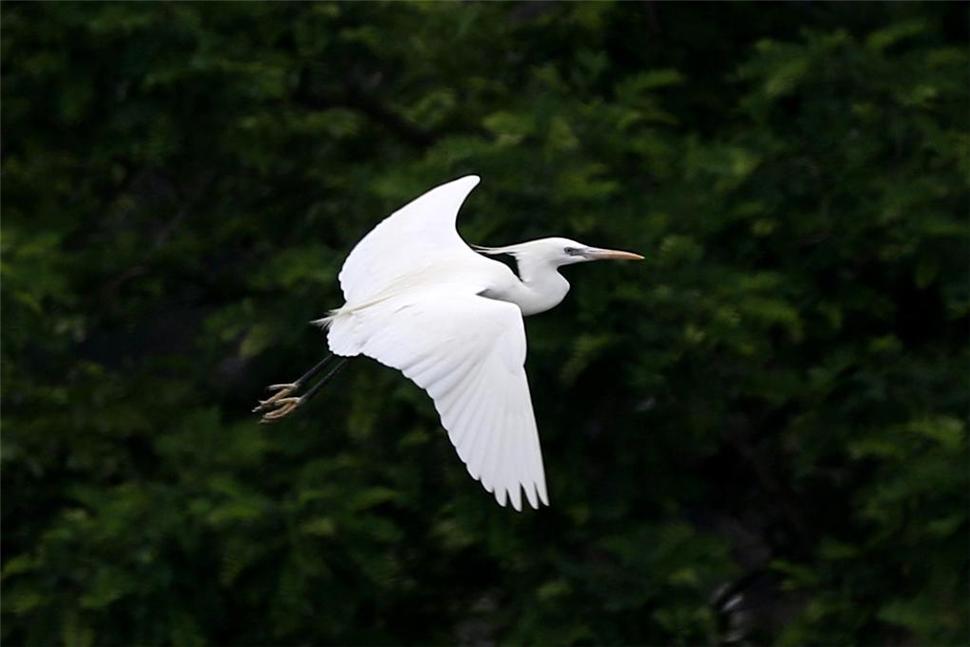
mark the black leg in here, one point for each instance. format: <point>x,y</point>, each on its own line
<point>309,375</point>
<point>323,380</point>
<point>284,401</point>
<point>286,390</point>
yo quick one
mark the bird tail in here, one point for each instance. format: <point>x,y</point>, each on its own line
<point>326,322</point>
<point>342,326</point>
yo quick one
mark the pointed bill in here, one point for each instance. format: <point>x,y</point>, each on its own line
<point>597,254</point>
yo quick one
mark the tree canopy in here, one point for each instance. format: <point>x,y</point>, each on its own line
<point>757,434</point>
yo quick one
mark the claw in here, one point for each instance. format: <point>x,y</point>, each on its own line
<point>283,390</point>
<point>283,407</point>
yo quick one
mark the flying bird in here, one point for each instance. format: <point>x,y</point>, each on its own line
<point>420,300</point>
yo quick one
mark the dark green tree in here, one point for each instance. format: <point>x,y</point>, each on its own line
<point>773,404</point>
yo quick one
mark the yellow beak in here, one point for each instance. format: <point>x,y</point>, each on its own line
<point>596,254</point>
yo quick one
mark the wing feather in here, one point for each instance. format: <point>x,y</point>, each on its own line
<point>462,423</point>
<point>492,439</point>
<point>468,353</point>
<point>508,483</point>
<point>409,240</point>
<point>517,477</point>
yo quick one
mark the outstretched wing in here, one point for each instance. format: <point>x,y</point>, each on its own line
<point>411,238</point>
<point>468,353</point>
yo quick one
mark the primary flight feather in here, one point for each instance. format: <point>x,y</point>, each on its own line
<point>418,299</point>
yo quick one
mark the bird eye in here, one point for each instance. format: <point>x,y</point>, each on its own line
<point>571,251</point>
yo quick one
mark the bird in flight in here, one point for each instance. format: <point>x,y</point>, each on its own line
<point>418,299</point>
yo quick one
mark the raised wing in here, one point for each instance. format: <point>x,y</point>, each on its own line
<point>413,237</point>
<point>468,353</point>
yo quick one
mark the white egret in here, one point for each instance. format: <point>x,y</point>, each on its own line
<point>418,299</point>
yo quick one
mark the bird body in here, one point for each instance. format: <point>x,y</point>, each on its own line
<point>418,299</point>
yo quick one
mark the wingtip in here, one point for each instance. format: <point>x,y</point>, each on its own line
<point>543,494</point>
<point>515,495</point>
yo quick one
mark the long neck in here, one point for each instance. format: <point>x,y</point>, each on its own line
<point>540,287</point>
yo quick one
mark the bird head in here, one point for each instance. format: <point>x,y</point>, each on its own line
<point>563,251</point>
<point>559,251</point>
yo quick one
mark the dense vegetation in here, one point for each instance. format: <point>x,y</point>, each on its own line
<point>774,404</point>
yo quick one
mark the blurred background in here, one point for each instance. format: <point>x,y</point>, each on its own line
<point>756,436</point>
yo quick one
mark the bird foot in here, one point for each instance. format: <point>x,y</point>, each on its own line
<point>280,408</point>
<point>283,390</point>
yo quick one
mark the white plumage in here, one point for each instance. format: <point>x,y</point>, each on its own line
<point>418,299</point>
<point>468,353</point>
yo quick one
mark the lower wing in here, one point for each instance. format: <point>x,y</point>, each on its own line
<point>468,353</point>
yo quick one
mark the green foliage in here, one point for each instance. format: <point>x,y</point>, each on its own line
<point>775,401</point>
